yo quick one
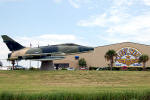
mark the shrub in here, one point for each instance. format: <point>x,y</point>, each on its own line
<point>92,68</point>
<point>82,62</point>
<point>32,68</point>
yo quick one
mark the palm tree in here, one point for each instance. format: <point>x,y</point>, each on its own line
<point>143,58</point>
<point>109,56</point>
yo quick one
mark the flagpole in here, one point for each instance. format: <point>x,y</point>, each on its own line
<point>30,60</point>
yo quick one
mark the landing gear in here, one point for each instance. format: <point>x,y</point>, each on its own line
<point>13,64</point>
<point>47,65</point>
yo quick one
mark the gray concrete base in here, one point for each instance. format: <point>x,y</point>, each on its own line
<point>47,65</point>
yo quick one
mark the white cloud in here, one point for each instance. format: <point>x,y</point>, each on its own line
<point>3,52</point>
<point>147,2</point>
<point>144,39</point>
<point>120,22</point>
<point>135,29</point>
<point>103,20</point>
<point>58,37</point>
<point>90,4</point>
<point>123,2</point>
<point>79,3</point>
<point>74,3</point>
<point>133,25</point>
<point>98,20</point>
<point>47,39</point>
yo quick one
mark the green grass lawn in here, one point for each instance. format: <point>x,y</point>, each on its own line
<point>51,81</point>
<point>82,82</point>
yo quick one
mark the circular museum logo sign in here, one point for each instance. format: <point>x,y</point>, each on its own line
<point>128,57</point>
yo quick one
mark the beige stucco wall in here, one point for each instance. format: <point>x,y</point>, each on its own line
<point>96,57</point>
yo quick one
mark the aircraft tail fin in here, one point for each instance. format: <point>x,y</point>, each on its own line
<point>11,44</point>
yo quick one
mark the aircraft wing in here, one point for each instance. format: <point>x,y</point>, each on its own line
<point>77,53</point>
<point>46,54</point>
<point>49,58</point>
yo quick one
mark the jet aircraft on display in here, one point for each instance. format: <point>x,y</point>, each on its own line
<point>45,54</point>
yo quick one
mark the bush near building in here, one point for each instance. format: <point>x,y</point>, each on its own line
<point>82,62</point>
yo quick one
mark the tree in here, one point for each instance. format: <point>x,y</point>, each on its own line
<point>82,62</point>
<point>143,59</point>
<point>109,56</point>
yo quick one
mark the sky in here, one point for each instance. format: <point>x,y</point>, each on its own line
<point>86,22</point>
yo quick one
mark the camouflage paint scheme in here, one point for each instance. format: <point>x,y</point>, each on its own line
<point>43,53</point>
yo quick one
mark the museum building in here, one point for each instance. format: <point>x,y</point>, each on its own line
<point>128,54</point>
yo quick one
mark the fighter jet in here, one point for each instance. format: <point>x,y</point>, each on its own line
<point>45,54</point>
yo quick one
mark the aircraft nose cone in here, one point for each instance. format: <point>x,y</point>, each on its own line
<point>91,48</point>
<point>82,49</point>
